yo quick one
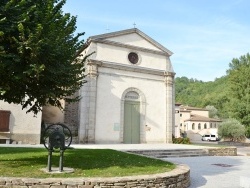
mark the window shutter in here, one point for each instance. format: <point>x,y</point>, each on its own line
<point>4,120</point>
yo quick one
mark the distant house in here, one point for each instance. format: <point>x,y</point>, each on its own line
<point>176,129</point>
<point>195,122</point>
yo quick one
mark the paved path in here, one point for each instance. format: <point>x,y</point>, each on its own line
<point>217,172</point>
<point>120,147</point>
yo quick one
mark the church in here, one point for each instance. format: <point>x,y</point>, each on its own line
<point>129,94</point>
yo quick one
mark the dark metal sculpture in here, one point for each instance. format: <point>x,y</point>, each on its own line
<point>56,136</point>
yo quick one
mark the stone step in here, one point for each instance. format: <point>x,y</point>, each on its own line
<point>171,153</point>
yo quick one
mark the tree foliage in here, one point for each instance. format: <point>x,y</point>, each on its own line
<point>212,111</point>
<point>201,94</point>
<point>239,79</point>
<point>232,130</point>
<point>39,64</point>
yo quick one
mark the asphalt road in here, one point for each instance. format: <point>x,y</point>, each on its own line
<point>217,172</point>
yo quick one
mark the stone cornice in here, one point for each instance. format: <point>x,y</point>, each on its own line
<point>130,68</point>
<point>131,47</point>
<point>106,36</point>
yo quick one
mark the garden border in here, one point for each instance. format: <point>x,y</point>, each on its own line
<point>176,178</point>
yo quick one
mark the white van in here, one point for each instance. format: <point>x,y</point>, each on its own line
<point>209,137</point>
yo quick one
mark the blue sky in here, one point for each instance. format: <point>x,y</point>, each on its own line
<point>204,35</point>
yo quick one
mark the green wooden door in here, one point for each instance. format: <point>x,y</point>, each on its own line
<point>131,122</point>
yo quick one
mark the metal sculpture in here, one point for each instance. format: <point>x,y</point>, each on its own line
<point>56,136</point>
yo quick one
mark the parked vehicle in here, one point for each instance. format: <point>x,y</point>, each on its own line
<point>209,137</point>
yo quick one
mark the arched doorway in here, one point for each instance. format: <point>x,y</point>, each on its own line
<point>131,132</point>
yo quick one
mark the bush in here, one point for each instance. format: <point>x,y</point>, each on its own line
<point>232,130</point>
<point>181,140</point>
<point>248,131</point>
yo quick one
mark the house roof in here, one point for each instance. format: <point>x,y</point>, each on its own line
<point>106,36</point>
<point>195,117</point>
<point>190,108</point>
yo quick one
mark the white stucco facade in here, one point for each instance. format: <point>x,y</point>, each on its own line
<point>23,127</point>
<point>111,78</point>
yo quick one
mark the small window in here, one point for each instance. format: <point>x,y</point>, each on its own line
<point>180,115</point>
<point>193,126</point>
<point>133,57</point>
<point>205,126</point>
<point>199,126</point>
<point>211,125</point>
<point>181,124</point>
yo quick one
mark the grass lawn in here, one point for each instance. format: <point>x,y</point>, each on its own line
<point>28,162</point>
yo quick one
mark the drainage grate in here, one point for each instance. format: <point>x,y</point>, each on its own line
<point>223,165</point>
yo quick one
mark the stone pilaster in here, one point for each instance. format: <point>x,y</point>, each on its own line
<point>88,105</point>
<point>169,81</point>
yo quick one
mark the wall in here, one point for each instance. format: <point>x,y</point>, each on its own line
<point>226,151</point>
<point>204,113</point>
<point>179,178</point>
<point>111,85</point>
<point>177,133</point>
<point>53,114</point>
<point>24,127</point>
<point>118,54</point>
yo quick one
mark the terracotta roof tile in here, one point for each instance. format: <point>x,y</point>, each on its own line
<point>195,117</point>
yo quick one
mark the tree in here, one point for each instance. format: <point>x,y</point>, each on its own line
<point>239,82</point>
<point>231,129</point>
<point>201,94</point>
<point>39,53</point>
<point>212,111</point>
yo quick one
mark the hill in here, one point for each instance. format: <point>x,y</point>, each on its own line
<point>197,93</point>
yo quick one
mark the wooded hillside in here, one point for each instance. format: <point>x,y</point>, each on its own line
<point>197,93</point>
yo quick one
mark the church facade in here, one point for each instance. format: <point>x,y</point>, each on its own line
<point>129,93</point>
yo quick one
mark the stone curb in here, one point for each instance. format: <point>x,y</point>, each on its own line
<point>177,178</point>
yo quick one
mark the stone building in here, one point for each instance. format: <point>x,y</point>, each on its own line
<point>129,94</point>
<point>128,97</point>
<point>195,122</point>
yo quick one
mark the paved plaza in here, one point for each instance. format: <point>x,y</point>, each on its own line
<point>217,172</point>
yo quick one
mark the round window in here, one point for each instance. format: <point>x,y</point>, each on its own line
<point>133,57</point>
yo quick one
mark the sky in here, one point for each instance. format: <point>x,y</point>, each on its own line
<point>204,35</point>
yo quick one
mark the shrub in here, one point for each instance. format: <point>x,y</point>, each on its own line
<point>181,140</point>
<point>247,131</point>
<point>232,130</point>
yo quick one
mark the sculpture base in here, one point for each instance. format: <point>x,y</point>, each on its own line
<point>55,170</point>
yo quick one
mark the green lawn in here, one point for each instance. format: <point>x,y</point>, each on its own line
<point>28,162</point>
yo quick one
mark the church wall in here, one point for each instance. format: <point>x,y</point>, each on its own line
<point>110,87</point>
<point>135,40</point>
<point>52,114</point>
<point>119,54</point>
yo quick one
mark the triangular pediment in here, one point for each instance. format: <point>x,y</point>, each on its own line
<point>131,37</point>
